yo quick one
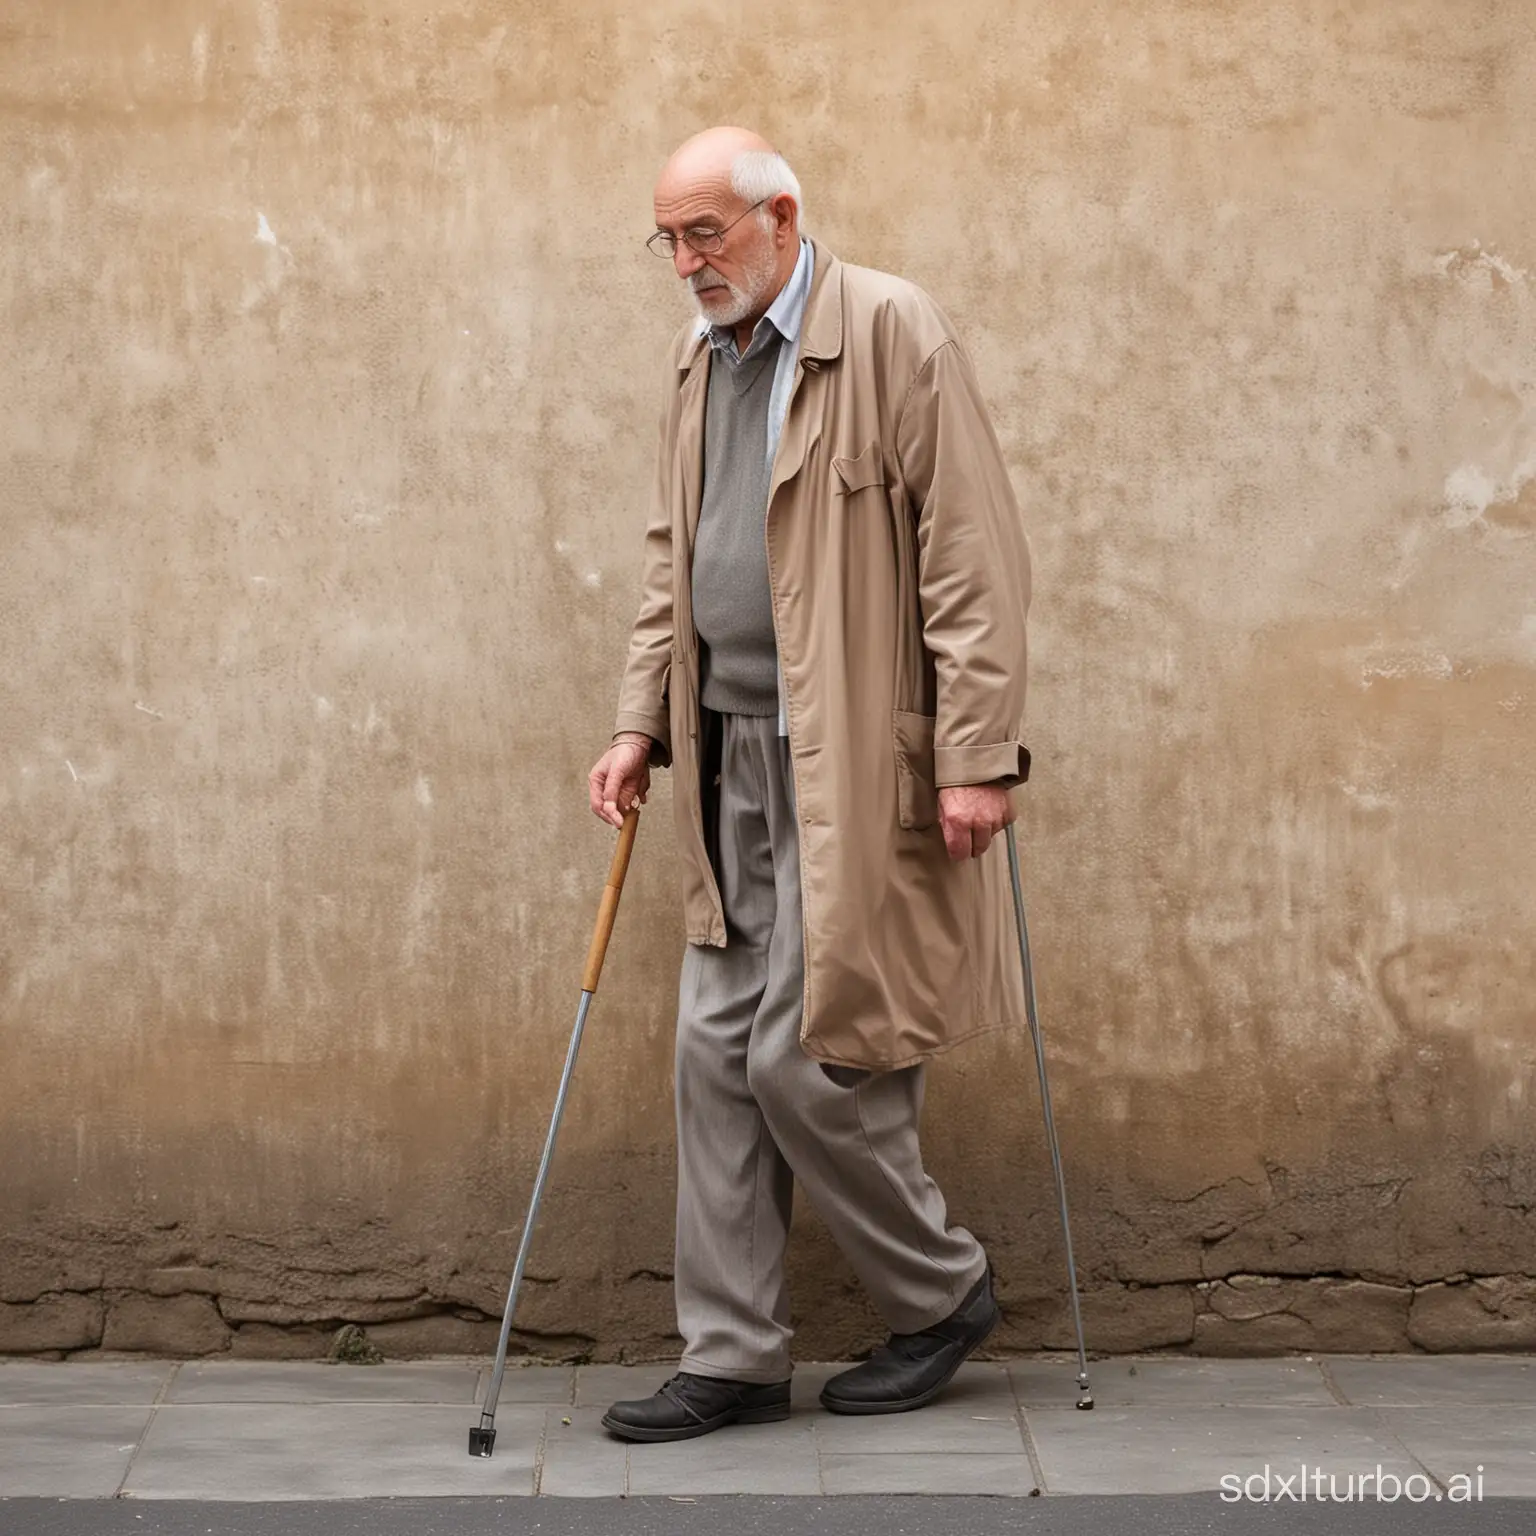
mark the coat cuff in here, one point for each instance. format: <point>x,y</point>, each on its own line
<point>657,727</point>
<point>1003,762</point>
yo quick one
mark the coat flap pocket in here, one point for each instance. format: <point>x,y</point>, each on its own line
<point>865,470</point>
<point>917,795</point>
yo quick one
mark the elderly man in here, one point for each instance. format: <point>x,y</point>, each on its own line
<point>830,655</point>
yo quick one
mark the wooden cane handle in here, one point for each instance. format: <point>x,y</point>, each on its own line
<point>610,903</point>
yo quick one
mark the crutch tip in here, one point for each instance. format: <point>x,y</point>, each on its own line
<point>1085,1401</point>
<point>482,1442</point>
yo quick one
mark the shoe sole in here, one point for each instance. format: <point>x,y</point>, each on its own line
<point>772,1414</point>
<point>907,1404</point>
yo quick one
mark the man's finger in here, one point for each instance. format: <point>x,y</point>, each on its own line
<point>957,839</point>
<point>611,793</point>
<point>629,794</point>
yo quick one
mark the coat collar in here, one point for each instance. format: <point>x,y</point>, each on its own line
<point>821,331</point>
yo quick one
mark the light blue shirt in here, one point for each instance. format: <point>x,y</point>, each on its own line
<point>786,315</point>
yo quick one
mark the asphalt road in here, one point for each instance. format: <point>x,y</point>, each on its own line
<point>1122,1515</point>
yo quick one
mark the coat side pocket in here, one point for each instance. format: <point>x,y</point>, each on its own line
<point>917,794</point>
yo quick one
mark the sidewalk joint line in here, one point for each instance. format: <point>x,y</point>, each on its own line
<point>149,1424</point>
<point>1036,1470</point>
<point>1386,1424</point>
<point>539,1450</point>
<point>1333,1387</point>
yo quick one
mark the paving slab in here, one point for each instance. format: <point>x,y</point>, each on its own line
<point>581,1459</point>
<point>67,1383</point>
<point>251,1381</point>
<point>742,1458</point>
<point>261,1451</point>
<point>1186,1450</point>
<point>928,1473</point>
<point>1419,1382</point>
<point>1191,1383</point>
<point>1499,1440</point>
<point>255,1431</point>
<point>74,1452</point>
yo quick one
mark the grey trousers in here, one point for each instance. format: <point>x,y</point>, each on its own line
<point>755,1113</point>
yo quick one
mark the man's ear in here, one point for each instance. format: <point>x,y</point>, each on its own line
<point>784,215</point>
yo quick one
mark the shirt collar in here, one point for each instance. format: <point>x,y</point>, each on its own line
<point>786,314</point>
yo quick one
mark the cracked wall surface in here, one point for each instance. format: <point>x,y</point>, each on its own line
<point>332,363</point>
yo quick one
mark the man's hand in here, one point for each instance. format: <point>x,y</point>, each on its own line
<point>971,816</point>
<point>621,778</point>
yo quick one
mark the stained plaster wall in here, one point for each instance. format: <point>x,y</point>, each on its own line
<point>331,366</point>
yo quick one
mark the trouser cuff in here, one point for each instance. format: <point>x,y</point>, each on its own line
<point>761,1376</point>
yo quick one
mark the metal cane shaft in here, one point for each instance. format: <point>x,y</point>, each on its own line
<point>1032,1014</point>
<point>533,1209</point>
<point>482,1441</point>
<point>598,949</point>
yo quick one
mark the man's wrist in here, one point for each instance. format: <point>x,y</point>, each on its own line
<point>639,738</point>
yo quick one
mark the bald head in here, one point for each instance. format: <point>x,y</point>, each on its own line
<point>707,158</point>
<point>722,164</point>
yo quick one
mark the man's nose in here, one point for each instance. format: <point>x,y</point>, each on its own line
<point>687,261</point>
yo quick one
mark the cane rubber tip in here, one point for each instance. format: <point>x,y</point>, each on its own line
<point>482,1442</point>
<point>1085,1402</point>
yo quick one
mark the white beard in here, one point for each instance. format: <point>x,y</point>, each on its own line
<point>742,301</point>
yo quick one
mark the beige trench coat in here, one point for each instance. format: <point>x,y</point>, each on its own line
<point>900,579</point>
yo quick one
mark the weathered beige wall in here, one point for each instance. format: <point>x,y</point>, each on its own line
<point>330,366</point>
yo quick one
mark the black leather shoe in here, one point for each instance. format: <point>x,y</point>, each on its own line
<point>911,1369</point>
<point>688,1406</point>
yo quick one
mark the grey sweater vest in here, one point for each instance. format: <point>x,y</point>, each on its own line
<point>732,608</point>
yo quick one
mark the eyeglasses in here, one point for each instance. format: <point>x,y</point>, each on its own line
<point>707,242</point>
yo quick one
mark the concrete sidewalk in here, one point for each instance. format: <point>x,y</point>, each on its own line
<point>244,1431</point>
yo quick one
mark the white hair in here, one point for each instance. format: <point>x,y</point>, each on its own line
<point>758,174</point>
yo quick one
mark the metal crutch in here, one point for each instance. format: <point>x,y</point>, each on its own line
<point>482,1438</point>
<point>1084,1396</point>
